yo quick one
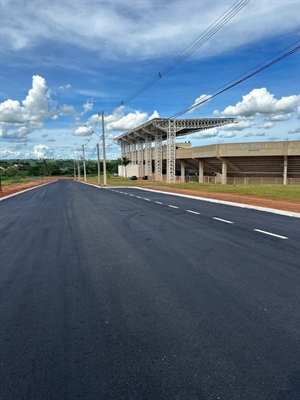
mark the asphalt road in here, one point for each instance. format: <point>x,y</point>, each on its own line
<point>127,294</point>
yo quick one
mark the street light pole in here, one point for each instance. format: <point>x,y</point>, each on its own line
<point>98,154</point>
<point>78,166</point>
<point>84,168</point>
<point>103,142</point>
<point>74,169</point>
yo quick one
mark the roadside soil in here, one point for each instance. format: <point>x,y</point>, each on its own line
<point>24,185</point>
<point>285,205</point>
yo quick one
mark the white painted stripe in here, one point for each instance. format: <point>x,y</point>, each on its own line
<point>223,220</point>
<point>158,202</point>
<point>271,234</point>
<point>132,195</point>
<point>229,203</point>
<point>193,212</point>
<point>146,199</point>
<point>138,197</point>
<point>172,206</point>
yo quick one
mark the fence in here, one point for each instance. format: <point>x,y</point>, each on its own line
<point>244,181</point>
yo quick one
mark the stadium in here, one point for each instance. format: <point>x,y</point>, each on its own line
<point>155,154</point>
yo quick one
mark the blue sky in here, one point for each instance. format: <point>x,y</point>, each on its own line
<point>64,62</point>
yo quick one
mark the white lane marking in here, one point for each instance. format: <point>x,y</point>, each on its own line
<point>158,202</point>
<point>223,220</point>
<point>138,197</point>
<point>146,199</point>
<point>132,195</point>
<point>193,212</point>
<point>172,206</point>
<point>271,234</point>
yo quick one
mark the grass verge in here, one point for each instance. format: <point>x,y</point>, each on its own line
<point>275,192</point>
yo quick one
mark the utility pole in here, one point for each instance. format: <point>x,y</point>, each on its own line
<point>74,169</point>
<point>78,165</point>
<point>104,157</point>
<point>98,154</point>
<point>84,168</point>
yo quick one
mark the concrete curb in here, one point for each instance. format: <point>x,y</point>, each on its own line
<point>25,190</point>
<point>230,203</point>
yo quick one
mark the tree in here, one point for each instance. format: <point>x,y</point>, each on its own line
<point>125,161</point>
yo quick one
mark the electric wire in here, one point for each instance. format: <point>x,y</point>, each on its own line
<point>209,97</point>
<point>198,42</point>
<point>256,66</point>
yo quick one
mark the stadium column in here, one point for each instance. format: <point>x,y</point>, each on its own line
<point>140,158</point>
<point>201,172</point>
<point>224,172</point>
<point>285,169</point>
<point>158,156</point>
<point>171,151</point>
<point>122,149</point>
<point>148,156</point>
<point>182,172</point>
<point>127,151</point>
<point>133,153</point>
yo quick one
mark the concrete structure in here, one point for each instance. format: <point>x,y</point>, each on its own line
<point>137,143</point>
<point>239,163</point>
<point>243,163</point>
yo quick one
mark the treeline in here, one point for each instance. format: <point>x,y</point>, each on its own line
<point>18,168</point>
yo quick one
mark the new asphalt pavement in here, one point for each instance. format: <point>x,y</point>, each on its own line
<point>126,294</point>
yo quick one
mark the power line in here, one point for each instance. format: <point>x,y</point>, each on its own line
<point>199,41</point>
<point>209,97</point>
<point>256,66</point>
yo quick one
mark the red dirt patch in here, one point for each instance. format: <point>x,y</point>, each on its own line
<point>19,187</point>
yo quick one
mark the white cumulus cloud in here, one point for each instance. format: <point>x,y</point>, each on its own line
<point>153,116</point>
<point>83,131</point>
<point>64,88</point>
<point>41,151</point>
<point>261,102</point>
<point>266,125</point>
<point>228,135</point>
<point>240,125</point>
<point>18,121</point>
<point>118,121</point>
<point>200,101</point>
<point>294,130</point>
<point>88,106</point>
<point>209,133</point>
<point>67,110</point>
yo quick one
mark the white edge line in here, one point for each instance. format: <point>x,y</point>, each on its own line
<point>193,212</point>
<point>223,220</point>
<point>26,190</point>
<point>271,234</point>
<point>229,203</point>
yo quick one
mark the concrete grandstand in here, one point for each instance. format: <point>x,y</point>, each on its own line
<point>239,163</point>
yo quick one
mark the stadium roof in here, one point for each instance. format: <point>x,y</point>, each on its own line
<point>161,125</point>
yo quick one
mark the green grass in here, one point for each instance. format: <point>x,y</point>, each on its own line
<point>277,192</point>
<point>12,181</point>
